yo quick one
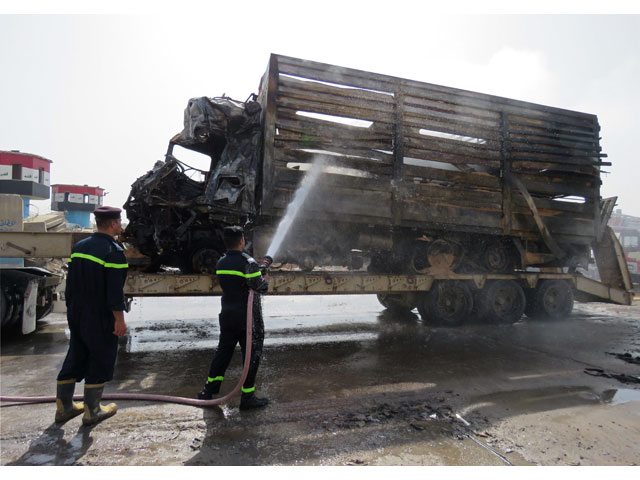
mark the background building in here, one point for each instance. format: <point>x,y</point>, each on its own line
<point>26,175</point>
<point>77,202</point>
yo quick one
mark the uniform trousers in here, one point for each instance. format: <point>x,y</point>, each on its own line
<point>93,347</point>
<point>233,331</point>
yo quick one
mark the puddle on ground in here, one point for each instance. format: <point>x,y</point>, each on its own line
<point>623,395</point>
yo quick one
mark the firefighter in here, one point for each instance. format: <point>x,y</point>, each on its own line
<point>95,313</point>
<point>237,273</point>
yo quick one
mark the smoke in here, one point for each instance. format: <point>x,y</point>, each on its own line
<point>307,184</point>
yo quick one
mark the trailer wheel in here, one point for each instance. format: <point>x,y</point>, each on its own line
<point>552,299</point>
<point>497,257</point>
<point>397,302</point>
<point>448,304</point>
<point>500,302</point>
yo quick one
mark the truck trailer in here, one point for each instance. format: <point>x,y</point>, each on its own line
<point>415,177</point>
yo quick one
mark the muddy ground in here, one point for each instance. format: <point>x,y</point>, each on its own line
<point>349,384</point>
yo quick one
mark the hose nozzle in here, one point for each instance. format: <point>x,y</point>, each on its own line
<point>265,264</point>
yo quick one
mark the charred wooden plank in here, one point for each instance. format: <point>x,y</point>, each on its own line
<point>517,147</point>
<point>269,114</point>
<point>304,141</point>
<point>557,225</point>
<point>579,210</point>
<point>563,141</point>
<point>459,147</point>
<point>344,111</point>
<point>369,166</point>
<point>544,231</point>
<point>294,177</point>
<point>341,201</point>
<point>333,93</point>
<point>456,129</point>
<point>505,172</point>
<point>426,104</point>
<point>431,193</point>
<point>325,128</point>
<point>578,126</point>
<point>397,189</point>
<point>298,95</point>
<point>538,166</point>
<point>554,159</point>
<point>478,179</point>
<point>384,156</point>
<point>444,216</point>
<point>415,118</point>
<point>453,159</point>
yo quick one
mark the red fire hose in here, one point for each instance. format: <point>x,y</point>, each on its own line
<point>167,398</point>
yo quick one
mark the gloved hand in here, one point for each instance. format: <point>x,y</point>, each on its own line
<point>265,264</point>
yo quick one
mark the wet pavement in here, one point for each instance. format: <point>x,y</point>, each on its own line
<point>350,384</point>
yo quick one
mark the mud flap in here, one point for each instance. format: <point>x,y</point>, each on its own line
<point>29,307</point>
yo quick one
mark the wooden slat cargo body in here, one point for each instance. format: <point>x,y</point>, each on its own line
<point>410,154</point>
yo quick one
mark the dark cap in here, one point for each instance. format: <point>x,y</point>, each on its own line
<point>107,213</point>
<point>232,232</point>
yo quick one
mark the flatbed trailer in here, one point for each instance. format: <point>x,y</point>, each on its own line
<point>441,297</point>
<point>445,299</point>
<point>140,284</point>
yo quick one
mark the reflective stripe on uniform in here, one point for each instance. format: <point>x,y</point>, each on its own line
<point>97,260</point>
<point>248,390</point>
<point>217,379</point>
<point>64,382</point>
<point>237,273</point>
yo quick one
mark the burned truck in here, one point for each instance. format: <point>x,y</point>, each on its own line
<point>415,177</point>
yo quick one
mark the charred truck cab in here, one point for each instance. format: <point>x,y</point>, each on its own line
<point>417,178</point>
<point>178,221</point>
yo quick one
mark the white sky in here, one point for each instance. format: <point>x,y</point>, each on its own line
<point>101,95</point>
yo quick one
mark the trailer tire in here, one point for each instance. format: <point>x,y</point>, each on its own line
<point>498,257</point>
<point>500,302</point>
<point>397,302</point>
<point>550,300</point>
<point>448,304</point>
<point>4,306</point>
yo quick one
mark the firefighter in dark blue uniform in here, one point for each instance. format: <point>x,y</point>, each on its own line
<point>237,273</point>
<point>95,313</point>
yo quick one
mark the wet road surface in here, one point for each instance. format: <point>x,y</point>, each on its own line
<point>350,384</point>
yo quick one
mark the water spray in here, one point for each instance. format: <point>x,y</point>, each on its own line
<point>293,208</point>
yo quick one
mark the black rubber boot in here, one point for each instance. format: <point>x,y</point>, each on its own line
<point>66,407</point>
<point>249,401</point>
<point>210,389</point>
<point>94,412</point>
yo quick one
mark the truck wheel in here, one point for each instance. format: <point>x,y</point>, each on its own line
<point>397,302</point>
<point>202,258</point>
<point>552,299</point>
<point>448,304</point>
<point>500,302</point>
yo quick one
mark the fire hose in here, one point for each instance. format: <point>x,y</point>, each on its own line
<point>167,398</point>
